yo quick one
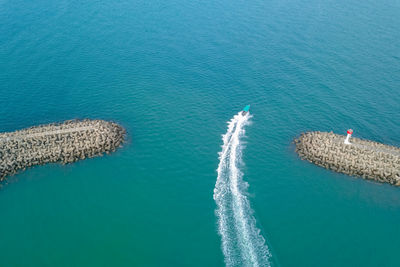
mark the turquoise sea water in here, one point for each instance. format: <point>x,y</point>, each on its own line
<point>173,73</point>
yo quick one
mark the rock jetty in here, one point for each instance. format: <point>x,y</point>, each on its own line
<point>367,159</point>
<point>64,142</point>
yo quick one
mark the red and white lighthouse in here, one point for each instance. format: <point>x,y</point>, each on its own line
<point>347,140</point>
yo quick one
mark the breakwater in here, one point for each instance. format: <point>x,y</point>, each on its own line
<point>64,142</point>
<point>367,159</point>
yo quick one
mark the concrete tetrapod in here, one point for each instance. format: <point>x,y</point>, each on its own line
<point>64,142</point>
<point>367,159</point>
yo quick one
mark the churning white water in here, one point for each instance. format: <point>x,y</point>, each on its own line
<point>242,243</point>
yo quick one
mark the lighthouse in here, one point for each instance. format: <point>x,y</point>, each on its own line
<point>349,133</point>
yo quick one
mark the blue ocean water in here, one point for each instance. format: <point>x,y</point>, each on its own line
<point>173,73</point>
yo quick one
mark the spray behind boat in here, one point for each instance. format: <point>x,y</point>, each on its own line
<point>242,241</point>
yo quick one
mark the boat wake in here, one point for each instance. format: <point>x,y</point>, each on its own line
<point>242,243</point>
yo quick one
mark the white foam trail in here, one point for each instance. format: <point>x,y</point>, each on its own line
<point>242,243</point>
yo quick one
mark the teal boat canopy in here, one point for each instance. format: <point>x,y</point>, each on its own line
<point>246,108</point>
